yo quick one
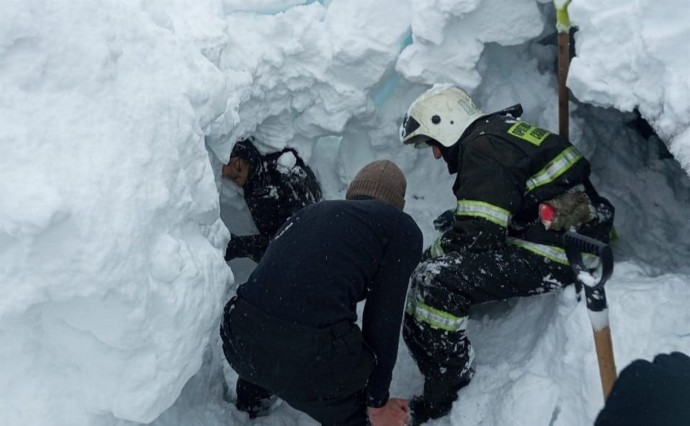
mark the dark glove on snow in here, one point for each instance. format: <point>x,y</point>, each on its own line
<point>232,251</point>
<point>445,220</point>
<point>251,246</point>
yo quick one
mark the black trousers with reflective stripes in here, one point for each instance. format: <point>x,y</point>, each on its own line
<point>322,372</point>
<point>444,359</point>
<point>452,284</point>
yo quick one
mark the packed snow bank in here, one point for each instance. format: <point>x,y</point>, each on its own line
<point>448,37</point>
<point>305,73</point>
<point>635,55</point>
<point>111,268</point>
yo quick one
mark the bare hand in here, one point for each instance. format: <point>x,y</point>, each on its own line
<point>394,413</point>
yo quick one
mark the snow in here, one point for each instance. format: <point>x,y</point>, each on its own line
<point>599,319</point>
<point>642,64</point>
<point>115,117</point>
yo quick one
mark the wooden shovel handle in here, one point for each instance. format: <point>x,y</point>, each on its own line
<point>563,67</point>
<point>607,365</point>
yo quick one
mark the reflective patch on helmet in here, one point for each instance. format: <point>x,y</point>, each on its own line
<point>408,127</point>
<point>467,105</point>
<point>531,134</point>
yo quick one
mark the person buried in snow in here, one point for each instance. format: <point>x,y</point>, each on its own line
<point>291,329</point>
<point>275,186</point>
<point>518,189</point>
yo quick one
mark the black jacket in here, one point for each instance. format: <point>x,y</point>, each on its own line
<point>278,185</point>
<point>331,255</point>
<point>505,169</point>
<point>650,393</point>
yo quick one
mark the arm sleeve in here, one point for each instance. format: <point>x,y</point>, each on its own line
<point>251,246</point>
<point>383,310</point>
<point>489,191</point>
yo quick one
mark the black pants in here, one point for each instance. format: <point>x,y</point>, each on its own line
<point>322,372</point>
<point>442,292</point>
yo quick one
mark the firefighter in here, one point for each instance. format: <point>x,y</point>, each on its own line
<point>496,245</point>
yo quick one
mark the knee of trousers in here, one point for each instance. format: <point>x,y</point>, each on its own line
<point>437,301</point>
<point>432,348</point>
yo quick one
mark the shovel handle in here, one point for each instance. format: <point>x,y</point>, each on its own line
<point>595,295</point>
<point>607,364</point>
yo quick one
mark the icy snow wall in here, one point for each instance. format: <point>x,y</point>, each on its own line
<point>111,269</point>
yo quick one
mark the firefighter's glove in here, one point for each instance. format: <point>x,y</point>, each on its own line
<point>570,209</point>
<point>445,220</point>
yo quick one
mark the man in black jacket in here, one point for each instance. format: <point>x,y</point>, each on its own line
<point>275,186</point>
<point>518,189</point>
<point>292,328</point>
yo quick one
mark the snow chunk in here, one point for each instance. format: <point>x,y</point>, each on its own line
<point>111,265</point>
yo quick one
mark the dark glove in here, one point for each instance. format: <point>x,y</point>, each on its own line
<point>232,251</point>
<point>570,209</point>
<point>445,220</point>
<point>251,246</point>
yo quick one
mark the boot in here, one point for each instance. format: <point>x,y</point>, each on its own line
<point>253,399</point>
<point>421,410</point>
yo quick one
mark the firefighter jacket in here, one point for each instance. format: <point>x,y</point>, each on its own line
<point>505,169</point>
<point>279,184</point>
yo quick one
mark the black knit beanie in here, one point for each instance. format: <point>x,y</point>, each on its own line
<point>381,179</point>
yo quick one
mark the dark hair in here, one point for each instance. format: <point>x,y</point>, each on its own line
<point>246,150</point>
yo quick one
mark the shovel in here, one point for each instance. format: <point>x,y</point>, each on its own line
<point>592,280</point>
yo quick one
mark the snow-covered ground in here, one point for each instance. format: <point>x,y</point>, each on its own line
<point>115,117</point>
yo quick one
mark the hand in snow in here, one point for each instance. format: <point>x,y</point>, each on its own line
<point>394,413</point>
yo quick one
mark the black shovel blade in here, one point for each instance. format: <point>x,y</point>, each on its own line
<point>575,244</point>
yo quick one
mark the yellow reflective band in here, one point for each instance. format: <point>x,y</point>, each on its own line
<point>495,214</point>
<point>555,168</point>
<point>436,318</point>
<point>436,250</point>
<point>562,16</point>
<point>531,134</point>
<point>554,253</point>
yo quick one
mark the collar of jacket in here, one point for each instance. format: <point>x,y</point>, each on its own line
<point>453,155</point>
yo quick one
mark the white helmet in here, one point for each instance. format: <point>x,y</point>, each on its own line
<point>442,113</point>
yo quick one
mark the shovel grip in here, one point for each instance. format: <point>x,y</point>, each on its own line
<point>575,244</point>
<point>584,243</point>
